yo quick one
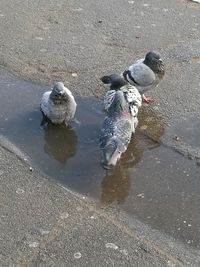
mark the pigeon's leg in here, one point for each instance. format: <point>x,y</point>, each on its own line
<point>147,99</point>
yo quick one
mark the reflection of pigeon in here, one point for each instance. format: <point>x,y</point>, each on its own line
<point>145,74</point>
<point>60,142</point>
<point>116,131</point>
<point>115,186</point>
<point>58,105</point>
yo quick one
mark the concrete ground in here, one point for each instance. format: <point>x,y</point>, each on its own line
<point>42,224</point>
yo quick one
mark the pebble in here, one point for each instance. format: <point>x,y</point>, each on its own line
<point>77,255</point>
<point>64,215</point>
<point>111,245</point>
<point>33,244</point>
<point>20,191</point>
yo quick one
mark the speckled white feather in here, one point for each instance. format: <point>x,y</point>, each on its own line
<point>133,97</point>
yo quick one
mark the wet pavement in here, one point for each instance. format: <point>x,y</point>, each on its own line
<point>152,182</point>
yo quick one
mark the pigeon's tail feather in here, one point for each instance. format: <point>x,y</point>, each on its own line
<point>106,79</point>
<point>116,81</point>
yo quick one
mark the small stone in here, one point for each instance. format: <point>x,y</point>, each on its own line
<point>43,50</point>
<point>170,263</point>
<point>39,38</point>
<point>33,244</point>
<point>20,191</point>
<point>189,225</point>
<point>64,215</point>
<point>111,245</point>
<point>100,21</point>
<point>143,127</point>
<point>79,208</point>
<point>124,251</point>
<point>74,74</point>
<point>141,195</point>
<point>44,232</point>
<point>30,169</point>
<point>77,255</point>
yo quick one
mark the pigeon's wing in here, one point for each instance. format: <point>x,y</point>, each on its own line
<point>123,133</point>
<point>44,105</point>
<point>71,105</point>
<point>132,95</point>
<point>107,132</point>
<point>141,74</point>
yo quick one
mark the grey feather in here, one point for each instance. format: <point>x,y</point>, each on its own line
<point>58,105</point>
<point>116,130</point>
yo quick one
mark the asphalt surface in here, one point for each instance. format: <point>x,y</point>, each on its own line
<point>43,224</point>
<point>77,43</point>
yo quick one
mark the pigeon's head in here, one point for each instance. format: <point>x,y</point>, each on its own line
<point>154,61</point>
<point>110,155</point>
<point>58,92</point>
<point>120,104</point>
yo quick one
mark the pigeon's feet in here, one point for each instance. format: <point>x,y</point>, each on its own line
<point>147,99</point>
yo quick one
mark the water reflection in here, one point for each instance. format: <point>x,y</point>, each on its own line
<point>60,142</point>
<point>116,183</point>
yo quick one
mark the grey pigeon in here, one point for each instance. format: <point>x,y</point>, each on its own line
<point>146,73</point>
<point>58,105</point>
<point>116,130</point>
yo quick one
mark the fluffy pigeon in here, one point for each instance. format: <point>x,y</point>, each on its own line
<point>116,130</point>
<point>145,74</point>
<point>58,105</point>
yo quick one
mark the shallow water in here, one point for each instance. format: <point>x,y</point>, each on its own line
<point>151,182</point>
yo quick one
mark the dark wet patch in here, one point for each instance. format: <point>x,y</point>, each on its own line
<point>151,182</point>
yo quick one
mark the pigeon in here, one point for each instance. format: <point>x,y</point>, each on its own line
<point>116,131</point>
<point>145,74</point>
<point>58,105</point>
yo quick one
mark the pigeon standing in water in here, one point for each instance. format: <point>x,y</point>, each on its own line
<point>116,130</point>
<point>145,74</point>
<point>58,105</point>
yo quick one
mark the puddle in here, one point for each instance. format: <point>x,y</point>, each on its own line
<point>151,182</point>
